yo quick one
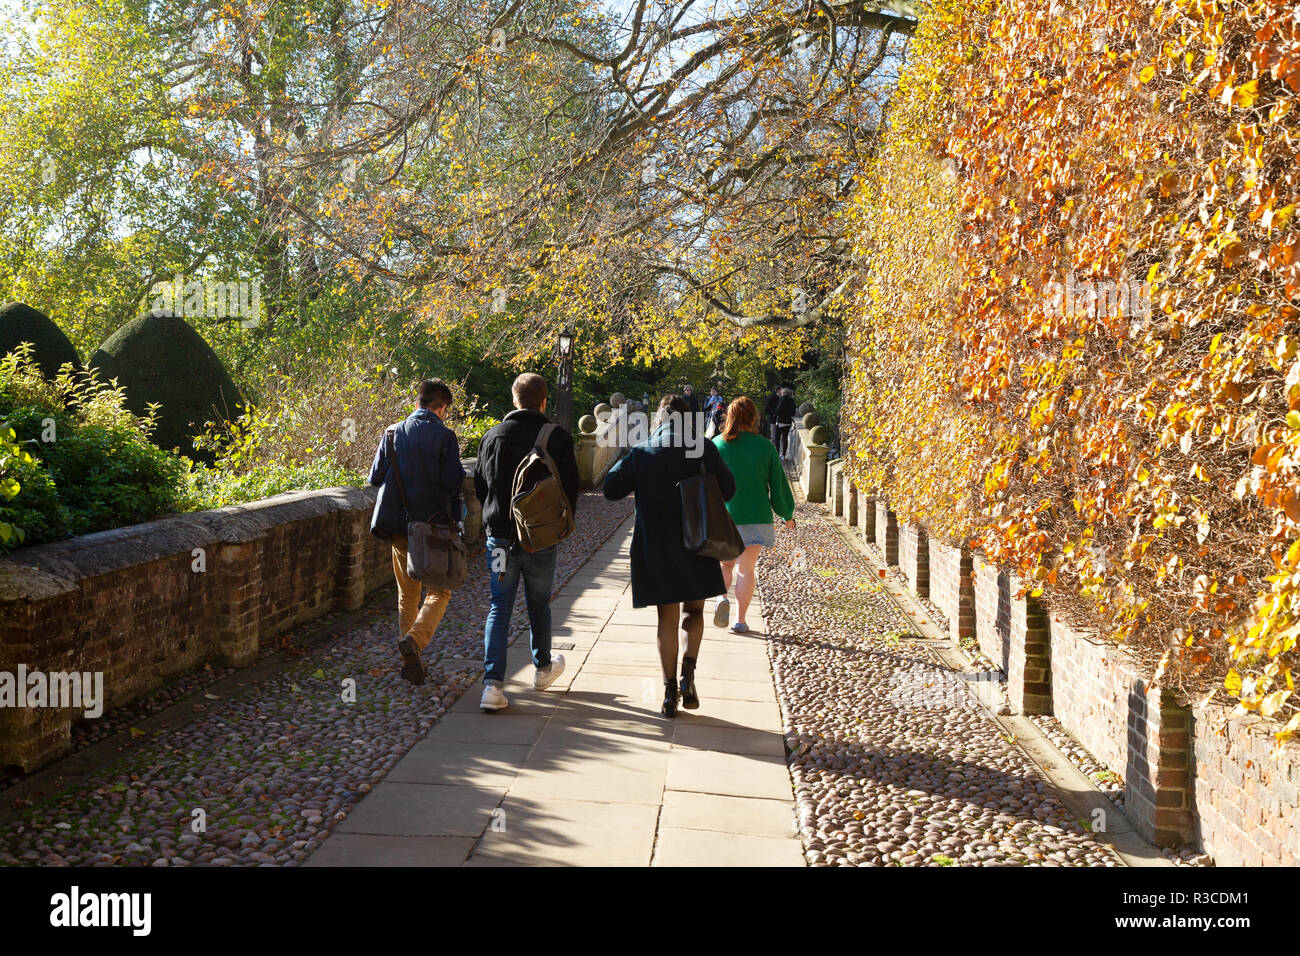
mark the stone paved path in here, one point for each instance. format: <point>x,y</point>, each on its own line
<point>588,772</point>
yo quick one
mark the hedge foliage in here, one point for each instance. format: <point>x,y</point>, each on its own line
<point>84,463</point>
<point>1077,342</point>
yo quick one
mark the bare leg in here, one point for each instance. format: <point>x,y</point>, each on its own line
<point>693,625</point>
<point>746,580</point>
<point>727,567</point>
<point>667,636</point>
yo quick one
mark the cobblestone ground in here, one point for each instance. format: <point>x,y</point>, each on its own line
<point>893,761</point>
<point>272,771</point>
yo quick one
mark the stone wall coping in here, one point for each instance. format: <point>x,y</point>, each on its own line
<point>45,571</point>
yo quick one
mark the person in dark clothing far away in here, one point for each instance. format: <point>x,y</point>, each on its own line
<point>428,457</point>
<point>688,393</point>
<point>785,409</point>
<point>664,573</point>
<point>769,414</point>
<point>500,453</point>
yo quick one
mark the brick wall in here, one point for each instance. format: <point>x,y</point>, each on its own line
<point>1138,732</point>
<point>145,603</point>
<point>886,531</point>
<point>1246,803</point>
<point>914,557</point>
<point>992,592</point>
<point>951,587</point>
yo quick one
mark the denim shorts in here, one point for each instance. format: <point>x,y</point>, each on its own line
<point>761,534</point>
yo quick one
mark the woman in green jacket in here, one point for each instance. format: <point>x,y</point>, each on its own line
<point>761,488</point>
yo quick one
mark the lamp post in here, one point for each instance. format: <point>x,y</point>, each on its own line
<point>563,413</point>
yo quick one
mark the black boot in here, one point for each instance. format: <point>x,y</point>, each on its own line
<point>670,698</point>
<point>690,700</point>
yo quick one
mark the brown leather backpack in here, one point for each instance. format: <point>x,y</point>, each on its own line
<point>541,510</point>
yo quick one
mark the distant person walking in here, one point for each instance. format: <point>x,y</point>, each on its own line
<point>785,409</point>
<point>664,573</point>
<point>688,393</point>
<point>769,413</point>
<point>761,488</point>
<point>427,456</point>
<point>501,451</point>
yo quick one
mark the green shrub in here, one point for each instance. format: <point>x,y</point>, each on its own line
<point>50,348</point>
<point>35,512</point>
<point>216,488</point>
<point>89,464</point>
<point>159,359</point>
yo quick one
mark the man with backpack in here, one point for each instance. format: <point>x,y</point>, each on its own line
<point>527,481</point>
<point>418,471</point>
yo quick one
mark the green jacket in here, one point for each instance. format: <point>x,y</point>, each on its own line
<point>761,485</point>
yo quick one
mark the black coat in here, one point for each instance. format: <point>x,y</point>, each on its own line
<point>663,571</point>
<point>785,410</point>
<point>499,454</point>
<point>428,456</point>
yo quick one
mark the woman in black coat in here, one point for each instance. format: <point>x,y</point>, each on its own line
<point>664,573</point>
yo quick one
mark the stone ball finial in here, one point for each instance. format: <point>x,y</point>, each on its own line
<point>618,399</point>
<point>811,420</point>
<point>587,424</point>
<point>820,435</point>
<point>804,409</point>
<point>602,412</point>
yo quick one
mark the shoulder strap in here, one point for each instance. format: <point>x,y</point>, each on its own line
<point>544,436</point>
<point>539,444</point>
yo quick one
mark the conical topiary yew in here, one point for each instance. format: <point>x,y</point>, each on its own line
<point>50,347</point>
<point>160,358</point>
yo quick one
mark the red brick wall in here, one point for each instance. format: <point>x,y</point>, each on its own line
<point>1246,803</point>
<point>886,531</point>
<point>951,587</point>
<point>992,611</point>
<point>1138,732</point>
<point>135,604</point>
<point>914,557</point>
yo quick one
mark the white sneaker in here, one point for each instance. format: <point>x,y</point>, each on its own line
<point>722,613</point>
<point>493,697</point>
<point>544,678</point>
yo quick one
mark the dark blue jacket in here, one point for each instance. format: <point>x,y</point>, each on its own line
<point>663,571</point>
<point>428,455</point>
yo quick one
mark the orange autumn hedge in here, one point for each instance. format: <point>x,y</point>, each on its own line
<point>1076,341</point>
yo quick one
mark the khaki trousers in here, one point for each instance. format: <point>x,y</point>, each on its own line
<point>416,618</point>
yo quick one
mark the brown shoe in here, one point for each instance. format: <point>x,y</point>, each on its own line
<point>412,667</point>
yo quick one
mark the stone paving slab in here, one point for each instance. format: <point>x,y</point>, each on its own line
<point>747,816</point>
<point>708,848</point>
<point>589,773</point>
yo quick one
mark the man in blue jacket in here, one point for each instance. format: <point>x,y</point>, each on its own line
<point>428,457</point>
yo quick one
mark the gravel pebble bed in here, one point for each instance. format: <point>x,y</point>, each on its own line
<point>275,769</point>
<point>893,762</point>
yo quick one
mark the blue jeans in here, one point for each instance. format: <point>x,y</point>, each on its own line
<point>506,563</point>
